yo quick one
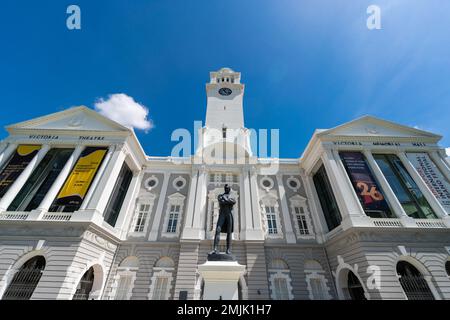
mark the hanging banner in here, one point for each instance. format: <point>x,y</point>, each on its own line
<point>77,184</point>
<point>365,185</point>
<point>432,176</point>
<point>19,161</point>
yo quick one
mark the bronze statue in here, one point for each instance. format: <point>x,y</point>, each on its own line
<point>225,221</point>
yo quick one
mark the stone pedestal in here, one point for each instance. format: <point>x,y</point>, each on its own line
<point>221,278</point>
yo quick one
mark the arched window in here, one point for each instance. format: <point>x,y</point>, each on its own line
<point>161,282</point>
<point>355,288</point>
<point>124,280</point>
<point>316,281</point>
<point>25,280</point>
<point>85,285</point>
<point>280,280</point>
<point>447,267</point>
<point>413,283</point>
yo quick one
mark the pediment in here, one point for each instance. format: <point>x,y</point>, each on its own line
<point>369,126</point>
<point>74,119</point>
<point>176,196</point>
<point>298,198</point>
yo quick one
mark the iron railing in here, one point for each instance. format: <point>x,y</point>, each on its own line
<point>416,288</point>
<point>23,284</point>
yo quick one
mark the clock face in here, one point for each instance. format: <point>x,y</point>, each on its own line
<point>225,91</point>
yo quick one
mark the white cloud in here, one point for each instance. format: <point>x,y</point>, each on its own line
<point>124,110</point>
<point>447,150</point>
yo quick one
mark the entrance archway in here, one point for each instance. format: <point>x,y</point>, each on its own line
<point>349,285</point>
<point>354,287</point>
<point>90,285</point>
<point>85,285</point>
<point>413,282</point>
<point>25,280</point>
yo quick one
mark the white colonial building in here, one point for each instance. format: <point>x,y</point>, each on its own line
<point>86,214</point>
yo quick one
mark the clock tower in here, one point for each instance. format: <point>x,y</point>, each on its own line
<point>225,95</point>
<point>225,115</point>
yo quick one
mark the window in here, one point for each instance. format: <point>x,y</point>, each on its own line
<point>222,178</point>
<point>366,186</point>
<point>434,178</point>
<point>15,166</point>
<point>160,288</point>
<point>280,281</point>
<point>25,280</point>
<point>41,180</point>
<point>280,289</point>
<point>301,220</point>
<point>271,220</point>
<point>78,183</point>
<point>173,218</point>
<point>266,183</point>
<point>354,287</point>
<point>271,216</point>
<point>161,281</point>
<point>404,187</point>
<point>300,215</point>
<point>316,281</point>
<point>123,286</point>
<point>317,289</point>
<point>124,280</point>
<point>118,195</point>
<point>327,200</point>
<point>447,268</point>
<point>151,183</point>
<point>142,217</point>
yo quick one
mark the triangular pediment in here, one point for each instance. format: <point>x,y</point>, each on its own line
<point>369,126</point>
<point>74,119</point>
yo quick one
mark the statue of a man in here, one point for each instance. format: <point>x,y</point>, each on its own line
<point>225,221</point>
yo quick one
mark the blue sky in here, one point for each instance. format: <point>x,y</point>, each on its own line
<point>306,64</point>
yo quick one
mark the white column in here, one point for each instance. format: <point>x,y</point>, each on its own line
<point>153,236</point>
<point>3,146</point>
<point>434,203</point>
<point>290,236</point>
<point>98,177</point>
<point>22,179</point>
<point>200,205</point>
<point>317,216</point>
<point>58,183</point>
<point>4,156</point>
<point>345,195</point>
<point>258,232</point>
<point>106,185</point>
<point>387,190</point>
<point>441,164</point>
<point>127,211</point>
<point>187,230</point>
<point>246,206</point>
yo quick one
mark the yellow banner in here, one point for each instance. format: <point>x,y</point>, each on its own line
<point>24,150</point>
<point>79,181</point>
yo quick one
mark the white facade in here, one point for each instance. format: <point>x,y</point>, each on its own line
<point>146,226</point>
